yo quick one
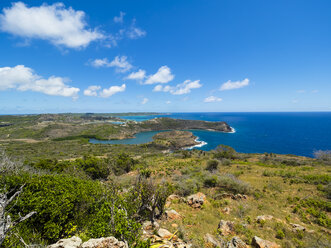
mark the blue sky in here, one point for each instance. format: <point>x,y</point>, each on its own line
<point>165,56</point>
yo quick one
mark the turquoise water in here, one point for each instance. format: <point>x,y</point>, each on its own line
<point>285,133</point>
<point>140,138</point>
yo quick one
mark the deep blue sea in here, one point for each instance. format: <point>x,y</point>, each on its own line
<point>299,133</point>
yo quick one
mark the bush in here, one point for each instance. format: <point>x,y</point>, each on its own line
<point>212,165</point>
<point>280,234</point>
<point>210,181</point>
<point>223,151</point>
<point>122,164</point>
<point>61,202</point>
<point>324,156</point>
<point>230,183</point>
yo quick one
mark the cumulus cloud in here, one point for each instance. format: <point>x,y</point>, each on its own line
<point>119,19</point>
<point>139,75</point>
<point>179,89</point>
<point>23,79</point>
<point>163,75</point>
<point>55,23</point>
<point>229,85</point>
<point>112,90</point>
<point>119,62</point>
<point>186,87</point>
<point>92,90</point>
<point>144,101</point>
<point>212,99</point>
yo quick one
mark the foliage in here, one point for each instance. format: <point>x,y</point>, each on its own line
<point>224,151</point>
<point>212,165</point>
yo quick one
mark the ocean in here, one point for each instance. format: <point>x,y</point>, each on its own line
<point>298,133</point>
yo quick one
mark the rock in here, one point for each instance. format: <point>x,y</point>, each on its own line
<point>73,242</point>
<point>164,233</point>
<point>261,243</point>
<point>263,218</point>
<point>226,210</point>
<point>226,228</point>
<point>239,197</point>
<point>148,227</point>
<point>172,198</point>
<point>196,200</point>
<point>236,242</point>
<point>109,242</point>
<point>212,241</point>
<point>297,227</point>
<point>172,215</point>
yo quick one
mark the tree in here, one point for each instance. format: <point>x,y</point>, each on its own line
<point>6,223</point>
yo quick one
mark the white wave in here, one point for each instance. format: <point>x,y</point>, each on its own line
<point>201,143</point>
<point>232,130</point>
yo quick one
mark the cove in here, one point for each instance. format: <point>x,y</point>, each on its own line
<point>140,138</point>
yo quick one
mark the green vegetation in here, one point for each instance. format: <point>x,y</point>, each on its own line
<point>91,191</point>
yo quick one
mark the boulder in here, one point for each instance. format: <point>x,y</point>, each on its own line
<point>236,242</point>
<point>148,227</point>
<point>211,241</point>
<point>297,227</point>
<point>172,215</point>
<point>164,233</point>
<point>263,218</point>
<point>196,200</point>
<point>226,228</point>
<point>109,242</point>
<point>261,243</point>
<point>73,242</point>
<point>172,198</point>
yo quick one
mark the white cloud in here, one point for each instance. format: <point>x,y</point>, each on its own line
<point>186,87</point>
<point>301,91</point>
<point>163,75</point>
<point>133,32</point>
<point>168,102</point>
<point>144,101</point>
<point>314,91</point>
<point>23,78</point>
<point>119,62</point>
<point>229,85</point>
<point>139,75</point>
<point>179,89</point>
<point>212,99</point>
<point>119,19</point>
<point>92,90</point>
<point>112,90</point>
<point>55,23</point>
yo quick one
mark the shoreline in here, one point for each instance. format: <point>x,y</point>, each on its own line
<point>201,143</point>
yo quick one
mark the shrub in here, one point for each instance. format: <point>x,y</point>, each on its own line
<point>122,164</point>
<point>324,156</point>
<point>212,165</point>
<point>210,181</point>
<point>280,234</point>
<point>223,151</point>
<point>230,183</point>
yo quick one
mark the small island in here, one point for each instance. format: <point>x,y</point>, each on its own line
<point>175,139</point>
